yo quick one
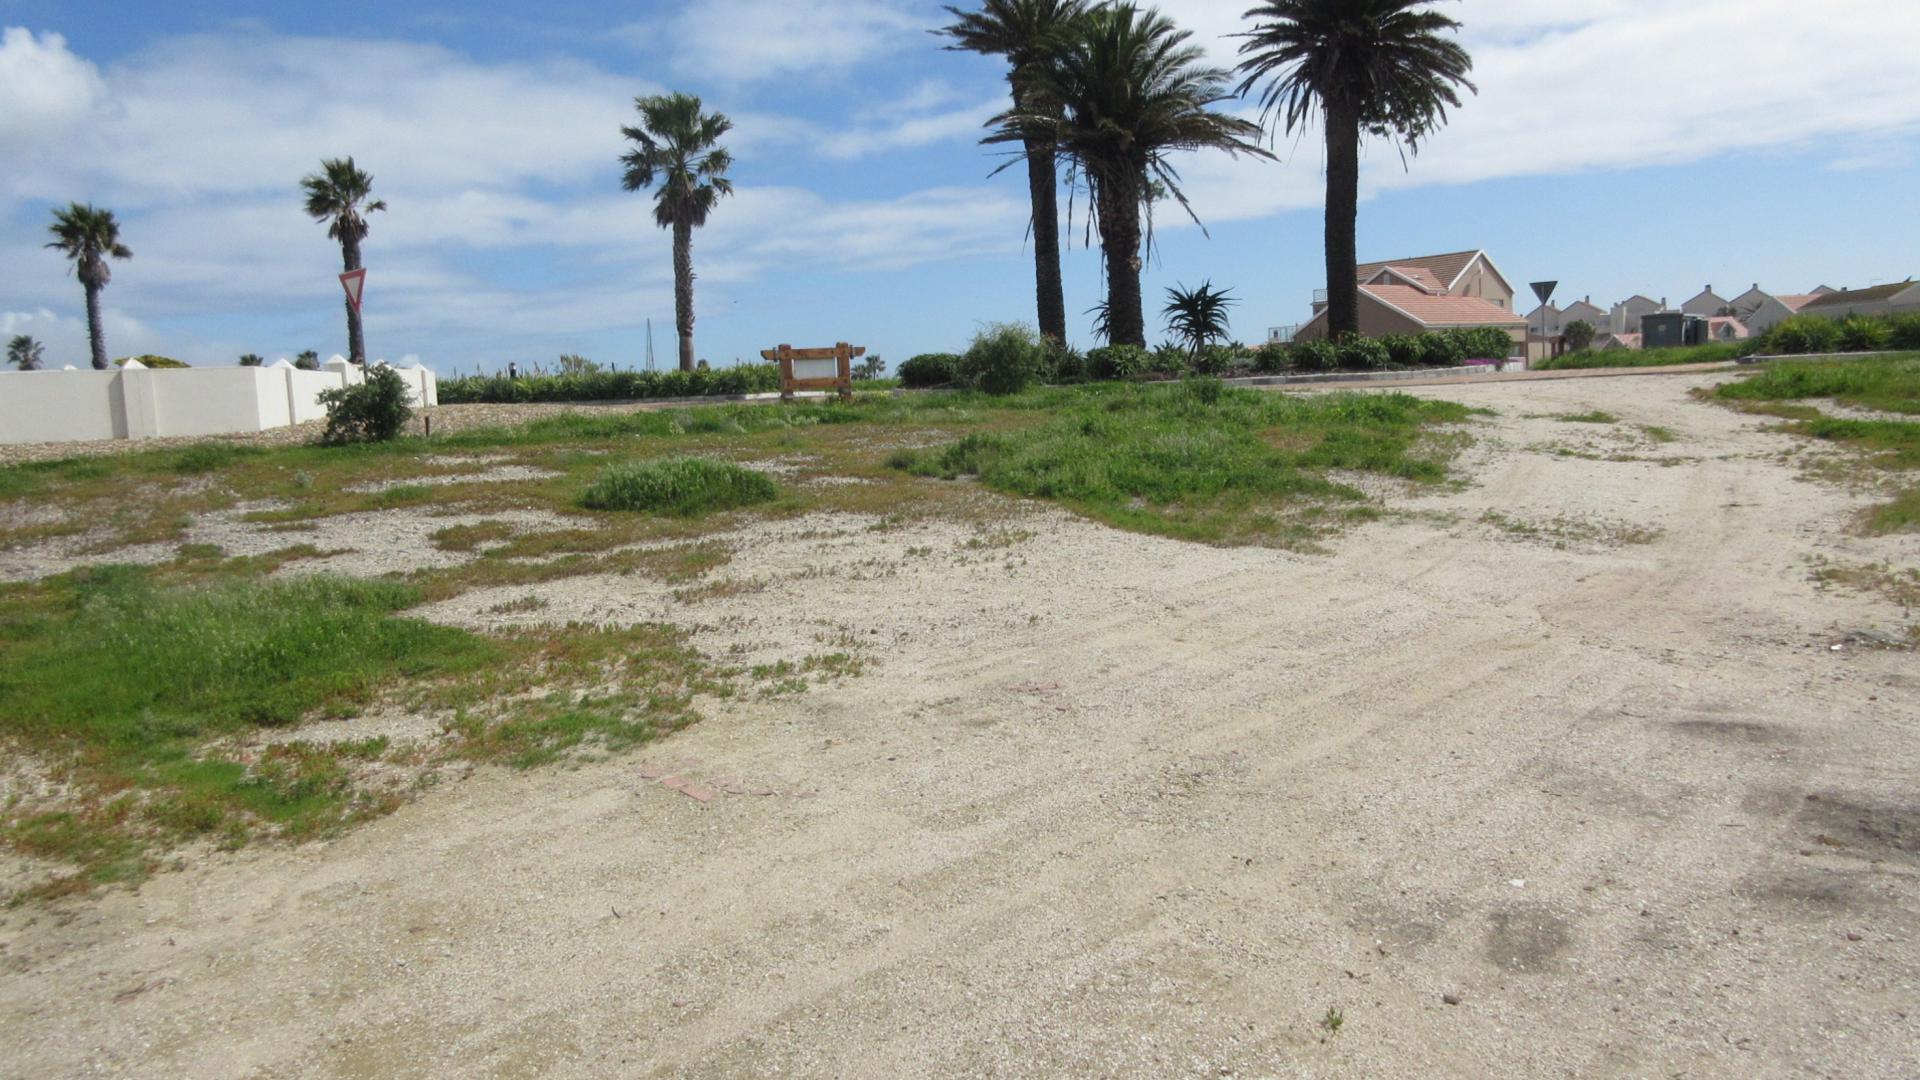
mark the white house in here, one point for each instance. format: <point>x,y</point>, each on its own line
<point>1707,304</point>
<point>1771,309</point>
<point>1625,316</point>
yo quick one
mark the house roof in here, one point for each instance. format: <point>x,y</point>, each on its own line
<point>1430,310</point>
<point>1418,276</point>
<point>1626,341</point>
<point>1445,268</point>
<point>1582,304</point>
<point>1717,322</point>
<point>1639,297</point>
<point>1796,301</point>
<point>1859,296</point>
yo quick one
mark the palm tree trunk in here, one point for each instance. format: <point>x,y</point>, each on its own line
<point>683,290</point>
<point>96,333</point>
<point>1044,187</point>
<point>356,338</point>
<point>1120,243</point>
<point>1343,203</point>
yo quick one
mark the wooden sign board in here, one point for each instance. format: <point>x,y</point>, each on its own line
<point>815,369</point>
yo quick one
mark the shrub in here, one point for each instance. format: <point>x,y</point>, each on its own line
<point>1579,335</point>
<point>1442,350</point>
<point>681,486</point>
<point>160,363</point>
<point>1064,363</point>
<point>1362,354</point>
<point>1314,354</point>
<point>1270,357</point>
<point>1483,343</point>
<point>929,369</point>
<point>1403,350</point>
<point>373,410</point>
<point>1118,362</point>
<point>1003,359</point>
<point>251,360</point>
<point>1903,331</point>
<point>612,385</point>
<point>1217,360</point>
<point>307,361</point>
<point>1803,334</point>
<point>1864,335</point>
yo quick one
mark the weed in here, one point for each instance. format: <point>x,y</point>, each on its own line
<point>1596,416</point>
<point>1334,1020</point>
<point>682,486</point>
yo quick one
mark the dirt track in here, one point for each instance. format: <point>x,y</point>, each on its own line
<point>1115,806</point>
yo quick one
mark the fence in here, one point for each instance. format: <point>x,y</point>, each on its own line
<point>134,402</point>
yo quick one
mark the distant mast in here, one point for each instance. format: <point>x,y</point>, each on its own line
<point>649,343</point>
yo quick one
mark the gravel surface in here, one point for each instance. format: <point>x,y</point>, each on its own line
<point>1516,805</point>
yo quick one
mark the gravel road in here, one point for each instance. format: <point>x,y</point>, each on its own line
<point>1555,775</point>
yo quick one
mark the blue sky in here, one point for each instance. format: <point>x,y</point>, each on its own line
<point>1619,146</point>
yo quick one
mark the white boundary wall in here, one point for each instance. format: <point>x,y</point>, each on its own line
<point>134,402</point>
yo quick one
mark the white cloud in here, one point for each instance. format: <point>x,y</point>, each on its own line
<point>753,40</point>
<point>43,86</point>
<point>66,337</point>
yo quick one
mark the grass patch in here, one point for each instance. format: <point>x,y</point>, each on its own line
<point>1196,460</point>
<point>1716,353</point>
<point>685,487</point>
<point>1657,433</point>
<point>1883,383</point>
<point>1597,416</point>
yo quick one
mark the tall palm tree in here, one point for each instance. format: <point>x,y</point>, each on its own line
<point>338,194</point>
<point>25,353</point>
<point>1131,93</point>
<point>1031,34</point>
<point>89,236</point>
<point>678,147</point>
<point>1382,67</point>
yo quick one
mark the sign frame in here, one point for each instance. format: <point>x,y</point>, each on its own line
<point>355,282</point>
<point>841,353</point>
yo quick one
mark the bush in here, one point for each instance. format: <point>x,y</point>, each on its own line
<point>1167,359</point>
<point>1903,331</point>
<point>1270,358</point>
<point>1442,350</point>
<point>1484,343</point>
<point>1864,335</point>
<point>680,486</point>
<point>373,410</point>
<point>1363,354</point>
<point>1118,362</point>
<point>612,385</point>
<point>307,361</point>
<point>1065,364</point>
<point>159,363</point>
<point>1403,350</point>
<point>1219,360</point>
<point>929,369</point>
<point>251,360</point>
<point>1803,334</point>
<point>1005,358</point>
<point>1314,354</point>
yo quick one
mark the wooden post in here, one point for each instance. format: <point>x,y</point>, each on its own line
<point>785,356</point>
<point>843,353</point>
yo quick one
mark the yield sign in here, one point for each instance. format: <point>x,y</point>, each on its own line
<point>1541,289</point>
<point>355,282</point>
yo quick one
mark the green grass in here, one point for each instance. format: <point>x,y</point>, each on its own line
<point>685,487</point>
<point>1632,358</point>
<point>1597,416</point>
<point>1197,460</point>
<point>1888,384</point>
<point>1883,383</point>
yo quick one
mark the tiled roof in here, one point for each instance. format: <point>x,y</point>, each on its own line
<point>1716,323</point>
<point>1796,301</point>
<point>1859,296</point>
<point>1443,267</point>
<point>1432,310</point>
<point>1419,275</point>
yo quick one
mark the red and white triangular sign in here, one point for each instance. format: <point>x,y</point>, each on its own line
<point>355,282</point>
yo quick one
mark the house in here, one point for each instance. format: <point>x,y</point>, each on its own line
<point>1461,290</point>
<point>1707,305</point>
<point>1558,318</point>
<point>1616,341</point>
<point>1771,310</point>
<point>1897,298</point>
<point>1727,328</point>
<point>1625,316</point>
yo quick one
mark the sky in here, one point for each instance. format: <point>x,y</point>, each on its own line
<point>1617,146</point>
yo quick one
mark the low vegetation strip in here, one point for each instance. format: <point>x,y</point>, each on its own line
<point>1198,460</point>
<point>1888,384</point>
<point>682,486</point>
<point>610,385</point>
<point>1640,358</point>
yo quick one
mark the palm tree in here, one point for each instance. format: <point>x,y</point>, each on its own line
<point>678,146</point>
<point>1031,34</point>
<point>338,195</point>
<point>25,353</point>
<point>1198,317</point>
<point>1376,66</point>
<point>1128,94</point>
<point>89,237</point>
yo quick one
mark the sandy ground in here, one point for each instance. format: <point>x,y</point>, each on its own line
<point>1588,797</point>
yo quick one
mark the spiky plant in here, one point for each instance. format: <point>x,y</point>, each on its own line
<point>25,353</point>
<point>677,152</point>
<point>1197,317</point>
<point>341,195</point>
<point>1384,68</point>
<point>89,236</point>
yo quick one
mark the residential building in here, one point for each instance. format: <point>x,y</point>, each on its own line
<point>1557,318</point>
<point>1707,305</point>
<point>1762,310</point>
<point>1461,290</point>
<point>1612,340</point>
<point>1897,298</point>
<point>1625,316</point>
<point>1727,328</point>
